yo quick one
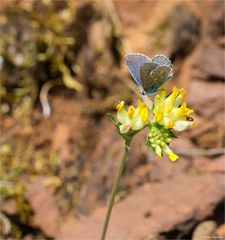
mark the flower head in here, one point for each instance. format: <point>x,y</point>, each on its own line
<point>170,111</point>
<point>159,139</point>
<point>132,119</point>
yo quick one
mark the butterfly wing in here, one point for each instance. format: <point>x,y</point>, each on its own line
<point>145,72</point>
<point>162,60</point>
<point>157,78</point>
<point>134,62</point>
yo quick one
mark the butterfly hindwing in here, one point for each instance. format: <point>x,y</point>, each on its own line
<point>134,62</point>
<point>162,60</point>
<point>157,78</point>
<point>145,72</point>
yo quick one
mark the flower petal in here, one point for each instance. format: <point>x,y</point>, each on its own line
<point>122,116</point>
<point>158,150</point>
<point>182,125</point>
<point>171,154</point>
<point>124,128</point>
<point>120,106</point>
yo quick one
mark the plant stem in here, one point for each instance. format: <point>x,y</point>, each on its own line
<point>115,188</point>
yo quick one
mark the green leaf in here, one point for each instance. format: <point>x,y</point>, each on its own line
<point>112,119</point>
<point>116,124</point>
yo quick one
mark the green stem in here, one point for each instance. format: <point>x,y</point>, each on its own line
<point>115,188</point>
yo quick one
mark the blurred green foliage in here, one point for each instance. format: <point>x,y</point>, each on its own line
<point>37,45</point>
<point>21,164</point>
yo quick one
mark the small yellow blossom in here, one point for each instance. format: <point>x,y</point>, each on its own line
<point>170,112</point>
<point>133,119</point>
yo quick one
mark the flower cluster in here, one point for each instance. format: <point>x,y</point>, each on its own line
<point>169,113</point>
<point>133,119</point>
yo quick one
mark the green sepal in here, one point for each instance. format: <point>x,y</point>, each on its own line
<point>112,119</point>
<point>156,125</point>
<point>152,150</point>
<point>171,134</point>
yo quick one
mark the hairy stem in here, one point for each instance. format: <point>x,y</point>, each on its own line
<point>115,188</point>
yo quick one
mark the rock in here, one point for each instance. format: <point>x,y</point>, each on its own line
<point>220,231</point>
<point>108,152</point>
<point>201,128</point>
<point>215,165</point>
<point>204,230</point>
<point>211,60</point>
<point>207,134</point>
<point>45,208</point>
<point>9,207</point>
<point>201,93</point>
<point>60,139</point>
<point>200,162</point>
<point>98,183</point>
<point>182,145</point>
<point>211,139</point>
<point>215,20</point>
<point>184,33</point>
<point>163,169</point>
<point>219,119</point>
<point>151,209</point>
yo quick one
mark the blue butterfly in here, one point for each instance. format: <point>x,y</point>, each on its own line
<point>149,74</point>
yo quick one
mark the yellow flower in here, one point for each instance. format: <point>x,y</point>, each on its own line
<point>133,119</point>
<point>159,139</point>
<point>170,112</point>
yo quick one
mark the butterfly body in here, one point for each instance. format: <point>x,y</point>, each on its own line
<point>149,74</point>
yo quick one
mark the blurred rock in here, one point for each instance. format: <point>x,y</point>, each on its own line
<point>61,141</point>
<point>190,200</point>
<point>108,152</point>
<point>219,119</point>
<point>9,207</point>
<point>204,230</point>
<point>207,134</point>
<point>200,162</point>
<point>215,20</point>
<point>201,93</point>
<point>163,169</point>
<point>98,60</point>
<point>213,138</point>
<point>182,144</point>
<point>184,31</point>
<point>211,60</point>
<point>220,231</point>
<point>45,208</point>
<point>215,165</point>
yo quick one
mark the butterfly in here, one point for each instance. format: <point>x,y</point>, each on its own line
<point>149,74</point>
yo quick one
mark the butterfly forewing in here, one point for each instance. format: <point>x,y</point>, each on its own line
<point>162,60</point>
<point>145,72</point>
<point>157,78</point>
<point>134,62</point>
